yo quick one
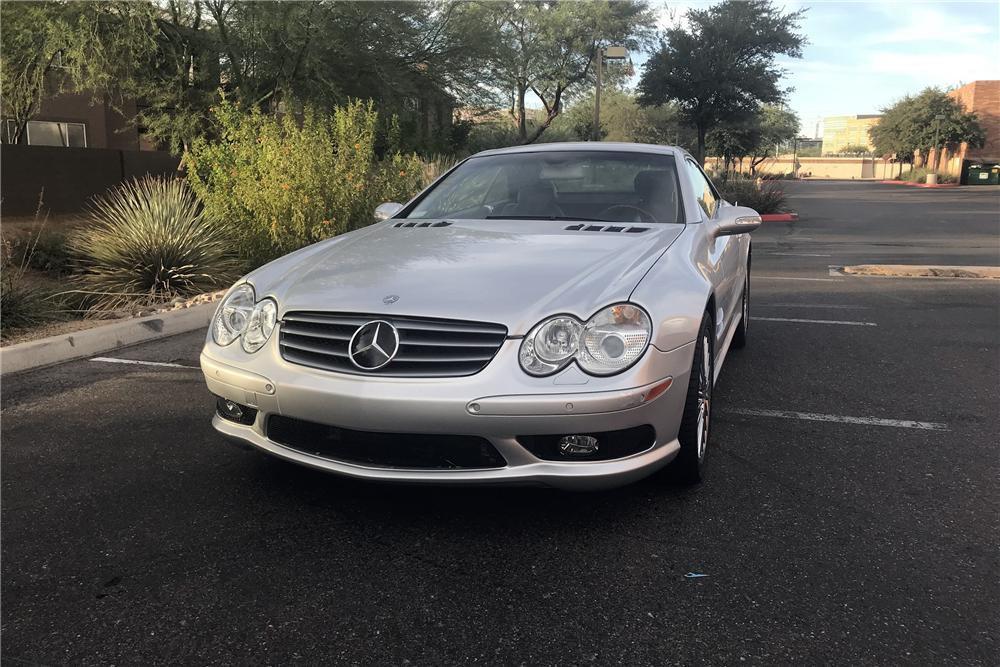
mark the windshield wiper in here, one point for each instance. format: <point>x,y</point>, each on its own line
<point>570,218</point>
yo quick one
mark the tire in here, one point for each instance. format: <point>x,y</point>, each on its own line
<point>696,423</point>
<point>740,337</point>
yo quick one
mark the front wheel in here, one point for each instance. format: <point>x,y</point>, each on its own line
<point>697,419</point>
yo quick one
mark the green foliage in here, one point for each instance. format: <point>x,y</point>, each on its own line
<point>148,241</point>
<point>911,124</point>
<point>764,196</point>
<point>51,46</point>
<point>622,119</point>
<point>548,49</point>
<point>919,175</point>
<point>46,250</point>
<point>756,136</point>
<point>721,65</point>
<point>22,303</point>
<point>280,184</point>
<point>852,150</point>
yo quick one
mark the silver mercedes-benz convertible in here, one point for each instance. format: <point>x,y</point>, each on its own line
<point>553,314</point>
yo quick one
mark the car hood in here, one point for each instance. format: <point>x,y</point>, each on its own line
<point>508,272</point>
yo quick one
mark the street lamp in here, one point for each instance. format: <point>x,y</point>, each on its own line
<point>933,177</point>
<point>610,53</point>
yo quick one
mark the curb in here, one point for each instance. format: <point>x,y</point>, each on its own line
<point>779,217</point>
<point>90,342</point>
<point>921,185</point>
<point>921,271</point>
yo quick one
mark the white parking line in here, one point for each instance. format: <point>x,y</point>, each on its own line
<point>113,360</point>
<point>812,305</point>
<point>797,254</point>
<point>796,319</point>
<point>818,280</point>
<point>816,417</point>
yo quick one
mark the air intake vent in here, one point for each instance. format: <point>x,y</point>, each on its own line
<point>442,223</point>
<point>607,228</point>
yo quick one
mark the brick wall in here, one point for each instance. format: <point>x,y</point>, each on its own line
<point>983,98</point>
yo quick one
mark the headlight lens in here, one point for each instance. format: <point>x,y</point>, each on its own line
<point>234,315</point>
<point>613,339</point>
<point>608,343</point>
<point>262,321</point>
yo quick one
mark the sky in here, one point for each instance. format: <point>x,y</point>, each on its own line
<point>863,56</point>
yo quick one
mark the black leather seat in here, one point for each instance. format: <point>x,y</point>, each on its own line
<point>657,192</point>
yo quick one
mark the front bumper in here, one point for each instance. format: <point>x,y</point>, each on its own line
<point>500,403</point>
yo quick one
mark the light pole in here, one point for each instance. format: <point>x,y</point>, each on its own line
<point>937,138</point>
<point>610,53</point>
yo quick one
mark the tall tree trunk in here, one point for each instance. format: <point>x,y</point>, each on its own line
<point>700,151</point>
<point>522,122</point>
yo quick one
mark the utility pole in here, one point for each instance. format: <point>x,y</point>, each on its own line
<point>610,53</point>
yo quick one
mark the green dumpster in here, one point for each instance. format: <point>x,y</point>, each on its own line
<point>982,174</point>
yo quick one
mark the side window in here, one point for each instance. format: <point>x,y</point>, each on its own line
<point>702,189</point>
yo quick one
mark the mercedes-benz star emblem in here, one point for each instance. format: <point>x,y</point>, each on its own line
<point>390,299</point>
<point>373,345</point>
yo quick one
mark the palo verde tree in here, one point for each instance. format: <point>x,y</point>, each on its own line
<point>911,124</point>
<point>549,49</point>
<point>50,47</point>
<point>721,65</point>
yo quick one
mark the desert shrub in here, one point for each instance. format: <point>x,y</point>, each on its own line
<point>147,241</point>
<point>45,250</point>
<point>767,197</point>
<point>22,304</point>
<point>283,183</point>
<point>919,175</point>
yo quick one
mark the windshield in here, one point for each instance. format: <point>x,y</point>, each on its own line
<point>599,186</point>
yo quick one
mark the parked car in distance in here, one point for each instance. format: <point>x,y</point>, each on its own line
<point>548,314</point>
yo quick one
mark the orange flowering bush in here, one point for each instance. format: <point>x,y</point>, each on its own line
<point>283,183</point>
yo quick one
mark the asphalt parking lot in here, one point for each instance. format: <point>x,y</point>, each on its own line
<point>850,513</point>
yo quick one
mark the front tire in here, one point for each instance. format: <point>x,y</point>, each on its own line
<point>697,420</point>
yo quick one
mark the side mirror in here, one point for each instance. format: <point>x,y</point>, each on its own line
<point>387,210</point>
<point>736,220</point>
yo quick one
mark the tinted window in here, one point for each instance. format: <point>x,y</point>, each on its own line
<point>702,189</point>
<point>558,185</point>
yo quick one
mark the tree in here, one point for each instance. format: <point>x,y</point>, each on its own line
<point>49,47</point>
<point>910,125</point>
<point>722,65</point>
<point>622,119</point>
<point>549,48</point>
<point>757,136</point>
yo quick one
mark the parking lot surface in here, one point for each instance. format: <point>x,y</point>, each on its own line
<point>850,513</point>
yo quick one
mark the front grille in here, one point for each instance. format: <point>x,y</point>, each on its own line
<point>385,450</point>
<point>427,347</point>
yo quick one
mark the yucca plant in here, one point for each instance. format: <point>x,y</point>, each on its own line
<point>148,241</point>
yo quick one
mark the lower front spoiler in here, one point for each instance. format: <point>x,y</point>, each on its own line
<point>576,476</point>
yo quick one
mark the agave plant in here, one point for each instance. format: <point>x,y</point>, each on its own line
<point>148,241</point>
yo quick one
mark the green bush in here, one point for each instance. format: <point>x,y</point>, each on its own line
<point>46,250</point>
<point>767,197</point>
<point>282,183</point>
<point>148,241</point>
<point>919,175</point>
<point>22,304</point>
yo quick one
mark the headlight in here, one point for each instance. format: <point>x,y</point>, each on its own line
<point>262,321</point>
<point>608,343</point>
<point>234,315</point>
<point>240,315</point>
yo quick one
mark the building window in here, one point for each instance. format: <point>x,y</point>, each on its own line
<point>50,133</point>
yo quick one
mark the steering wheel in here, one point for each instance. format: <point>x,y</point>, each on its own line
<point>644,215</point>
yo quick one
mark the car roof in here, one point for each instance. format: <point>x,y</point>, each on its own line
<point>603,146</point>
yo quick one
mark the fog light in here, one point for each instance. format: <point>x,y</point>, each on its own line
<point>235,412</point>
<point>578,445</point>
